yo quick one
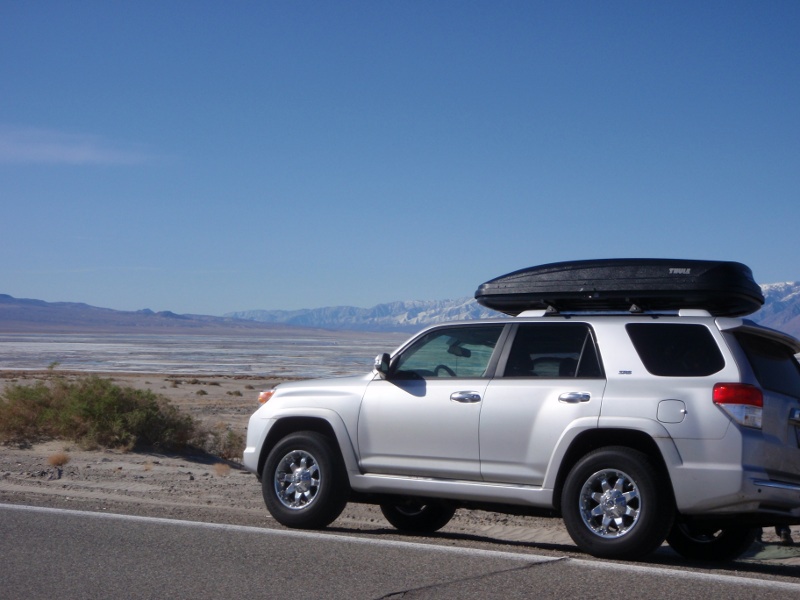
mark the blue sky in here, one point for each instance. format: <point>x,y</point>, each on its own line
<point>206,157</point>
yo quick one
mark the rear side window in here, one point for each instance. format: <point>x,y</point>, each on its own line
<point>676,349</point>
<point>553,351</point>
<point>774,364</point>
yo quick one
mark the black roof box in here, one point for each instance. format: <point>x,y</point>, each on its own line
<point>626,284</point>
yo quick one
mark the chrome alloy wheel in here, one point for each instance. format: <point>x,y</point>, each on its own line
<point>297,480</point>
<point>610,503</point>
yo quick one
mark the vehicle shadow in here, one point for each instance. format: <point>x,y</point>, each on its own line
<point>758,560</point>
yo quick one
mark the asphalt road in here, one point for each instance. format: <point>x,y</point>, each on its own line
<point>53,553</point>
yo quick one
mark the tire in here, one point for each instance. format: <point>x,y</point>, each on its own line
<point>710,541</point>
<point>418,517</point>
<point>304,481</point>
<point>615,504</point>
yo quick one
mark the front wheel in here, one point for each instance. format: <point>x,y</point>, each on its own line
<point>418,517</point>
<point>615,504</point>
<point>304,481</point>
<point>710,541</point>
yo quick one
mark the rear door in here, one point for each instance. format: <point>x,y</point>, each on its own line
<point>550,380</point>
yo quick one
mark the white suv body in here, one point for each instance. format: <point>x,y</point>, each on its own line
<point>633,428</point>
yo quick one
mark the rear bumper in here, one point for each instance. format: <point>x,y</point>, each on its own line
<point>729,492</point>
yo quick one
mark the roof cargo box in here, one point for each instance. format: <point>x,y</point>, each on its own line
<point>626,284</point>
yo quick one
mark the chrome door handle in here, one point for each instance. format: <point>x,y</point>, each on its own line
<point>465,397</point>
<point>575,397</point>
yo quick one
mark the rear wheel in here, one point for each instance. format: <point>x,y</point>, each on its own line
<point>304,481</point>
<point>418,517</point>
<point>710,541</point>
<point>615,504</point>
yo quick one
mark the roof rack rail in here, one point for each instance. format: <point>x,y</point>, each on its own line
<point>634,310</point>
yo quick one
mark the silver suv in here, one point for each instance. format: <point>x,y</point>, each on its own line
<point>633,428</point>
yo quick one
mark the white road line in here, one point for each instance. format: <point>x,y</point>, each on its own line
<point>427,547</point>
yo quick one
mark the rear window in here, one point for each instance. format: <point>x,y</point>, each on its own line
<point>676,349</point>
<point>774,364</point>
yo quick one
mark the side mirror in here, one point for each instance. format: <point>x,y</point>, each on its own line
<point>382,364</point>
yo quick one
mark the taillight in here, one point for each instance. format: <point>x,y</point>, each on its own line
<point>743,402</point>
<point>263,397</point>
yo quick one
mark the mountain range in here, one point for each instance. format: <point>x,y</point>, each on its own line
<point>781,308</point>
<point>781,311</point>
<point>408,315</point>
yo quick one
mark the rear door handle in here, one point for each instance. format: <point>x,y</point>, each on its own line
<point>465,397</point>
<point>575,397</point>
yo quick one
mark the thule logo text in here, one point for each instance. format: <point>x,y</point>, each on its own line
<point>678,271</point>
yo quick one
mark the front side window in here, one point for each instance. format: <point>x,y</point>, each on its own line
<point>554,351</point>
<point>773,363</point>
<point>449,352</point>
<point>676,349</point>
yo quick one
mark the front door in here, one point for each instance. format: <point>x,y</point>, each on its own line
<point>423,419</point>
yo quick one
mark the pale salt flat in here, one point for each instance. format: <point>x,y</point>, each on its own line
<point>301,354</point>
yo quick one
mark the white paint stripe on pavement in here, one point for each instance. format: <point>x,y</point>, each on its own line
<point>427,547</point>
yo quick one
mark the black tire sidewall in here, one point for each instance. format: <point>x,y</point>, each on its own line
<point>432,516</point>
<point>656,504</point>
<point>730,543</point>
<point>333,491</point>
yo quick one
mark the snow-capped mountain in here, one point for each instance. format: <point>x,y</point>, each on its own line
<point>409,315</point>
<point>781,311</point>
<point>781,308</point>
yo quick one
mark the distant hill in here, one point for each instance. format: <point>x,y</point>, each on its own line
<point>781,311</point>
<point>33,316</point>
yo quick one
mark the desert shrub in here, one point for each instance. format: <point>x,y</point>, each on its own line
<point>93,412</point>
<point>27,412</point>
<point>221,441</point>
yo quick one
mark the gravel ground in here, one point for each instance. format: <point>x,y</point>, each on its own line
<point>59,474</point>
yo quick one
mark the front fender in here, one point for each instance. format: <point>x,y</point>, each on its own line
<point>267,432</point>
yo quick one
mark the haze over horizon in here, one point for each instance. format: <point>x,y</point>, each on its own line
<point>206,159</point>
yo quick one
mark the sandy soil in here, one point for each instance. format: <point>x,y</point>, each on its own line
<point>59,474</point>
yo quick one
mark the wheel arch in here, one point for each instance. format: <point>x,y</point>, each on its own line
<point>594,439</point>
<point>327,425</point>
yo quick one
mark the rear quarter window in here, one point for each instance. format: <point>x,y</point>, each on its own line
<point>676,349</point>
<point>774,364</point>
